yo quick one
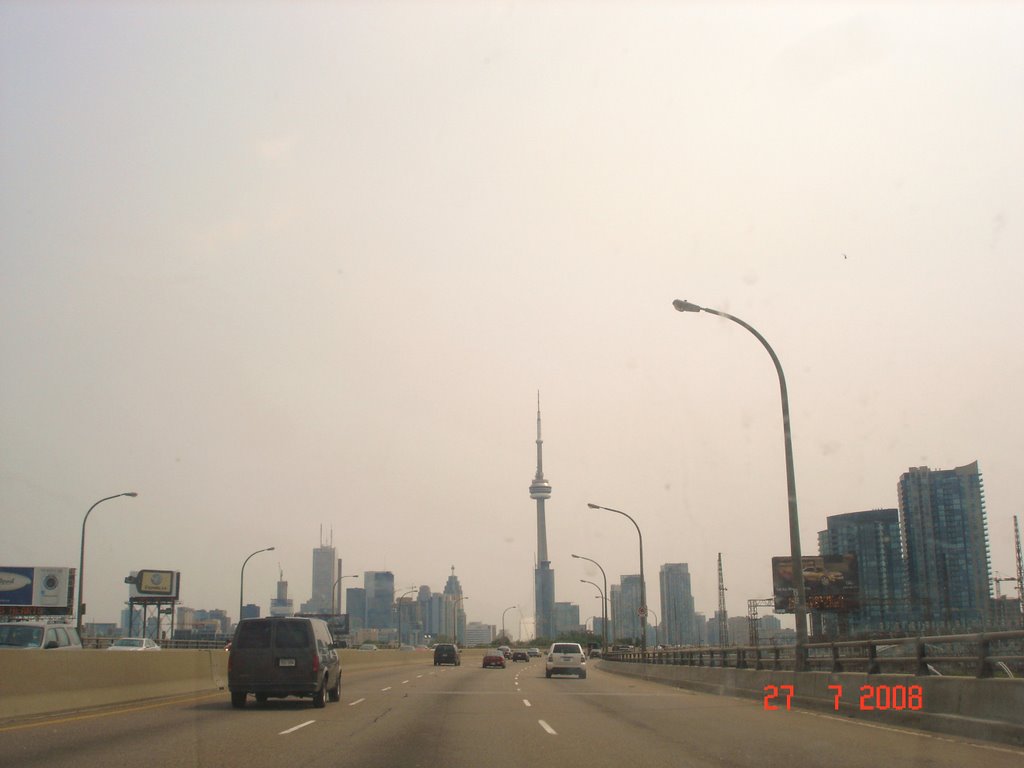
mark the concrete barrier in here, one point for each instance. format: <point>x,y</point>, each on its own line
<point>38,682</point>
<point>989,709</point>
<point>46,682</point>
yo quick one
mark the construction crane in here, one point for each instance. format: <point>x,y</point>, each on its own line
<point>1020,572</point>
<point>723,623</point>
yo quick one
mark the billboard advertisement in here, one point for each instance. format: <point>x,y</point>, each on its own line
<point>830,582</point>
<point>154,585</point>
<point>28,590</point>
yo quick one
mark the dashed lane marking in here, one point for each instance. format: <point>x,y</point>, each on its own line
<point>300,725</point>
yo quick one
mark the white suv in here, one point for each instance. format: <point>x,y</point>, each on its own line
<point>566,659</point>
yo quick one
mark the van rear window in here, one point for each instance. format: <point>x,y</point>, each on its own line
<point>253,634</point>
<point>292,634</point>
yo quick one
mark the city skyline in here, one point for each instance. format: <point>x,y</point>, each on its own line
<point>314,270</point>
<point>833,540</point>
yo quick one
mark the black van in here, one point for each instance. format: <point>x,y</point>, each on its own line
<point>283,656</point>
<point>447,653</point>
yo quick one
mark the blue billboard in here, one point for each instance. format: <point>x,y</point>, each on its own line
<point>26,589</point>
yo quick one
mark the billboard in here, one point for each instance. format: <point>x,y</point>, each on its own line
<point>154,585</point>
<point>28,590</point>
<point>831,583</point>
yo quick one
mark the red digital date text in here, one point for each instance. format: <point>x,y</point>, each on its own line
<point>872,697</point>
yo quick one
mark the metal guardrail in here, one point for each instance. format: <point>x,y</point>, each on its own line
<point>982,655</point>
<point>105,642</point>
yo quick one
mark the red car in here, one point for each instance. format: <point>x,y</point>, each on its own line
<point>494,658</point>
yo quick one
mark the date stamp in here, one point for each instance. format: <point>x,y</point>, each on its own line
<point>872,697</point>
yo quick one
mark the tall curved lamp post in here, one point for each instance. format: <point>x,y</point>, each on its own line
<point>643,582</point>
<point>600,594</point>
<point>504,636</point>
<point>337,581</point>
<point>81,557</point>
<point>800,608</point>
<point>241,579</point>
<point>398,610</point>
<point>604,604</point>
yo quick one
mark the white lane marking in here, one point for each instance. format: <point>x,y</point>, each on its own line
<point>385,689</point>
<point>547,728</point>
<point>527,702</point>
<point>303,725</point>
<point>404,682</point>
<point>357,701</point>
<point>418,676</point>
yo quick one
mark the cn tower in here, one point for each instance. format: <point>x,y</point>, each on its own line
<point>543,576</point>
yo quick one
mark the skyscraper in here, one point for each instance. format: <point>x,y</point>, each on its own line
<point>874,537</point>
<point>677,604</point>
<point>543,576</point>
<point>324,561</point>
<point>454,610</point>
<point>945,546</point>
<point>355,602</point>
<point>380,592</point>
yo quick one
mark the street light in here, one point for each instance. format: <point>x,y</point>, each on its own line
<point>337,581</point>
<point>81,557</point>
<point>241,579</point>
<point>800,609</point>
<point>503,635</point>
<point>643,584</point>
<point>604,604</point>
<point>600,594</point>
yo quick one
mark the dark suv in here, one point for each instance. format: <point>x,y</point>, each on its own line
<point>447,653</point>
<point>283,656</point>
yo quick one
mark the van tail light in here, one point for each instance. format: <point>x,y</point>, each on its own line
<point>316,662</point>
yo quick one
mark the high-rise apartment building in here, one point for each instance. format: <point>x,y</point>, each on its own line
<point>874,537</point>
<point>380,592</point>
<point>567,618</point>
<point>626,608</point>
<point>677,614</point>
<point>945,546</point>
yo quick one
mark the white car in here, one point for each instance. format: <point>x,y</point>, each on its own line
<point>133,644</point>
<point>566,659</point>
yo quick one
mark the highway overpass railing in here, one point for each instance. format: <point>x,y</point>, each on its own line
<point>979,655</point>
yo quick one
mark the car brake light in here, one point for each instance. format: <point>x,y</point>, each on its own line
<point>316,662</point>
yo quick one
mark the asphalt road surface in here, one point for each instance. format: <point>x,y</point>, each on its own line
<point>469,717</point>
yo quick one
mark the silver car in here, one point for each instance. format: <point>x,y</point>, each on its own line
<point>39,635</point>
<point>566,659</point>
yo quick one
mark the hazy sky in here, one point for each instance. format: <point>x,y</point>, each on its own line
<point>281,265</point>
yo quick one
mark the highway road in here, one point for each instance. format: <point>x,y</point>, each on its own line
<point>469,717</point>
